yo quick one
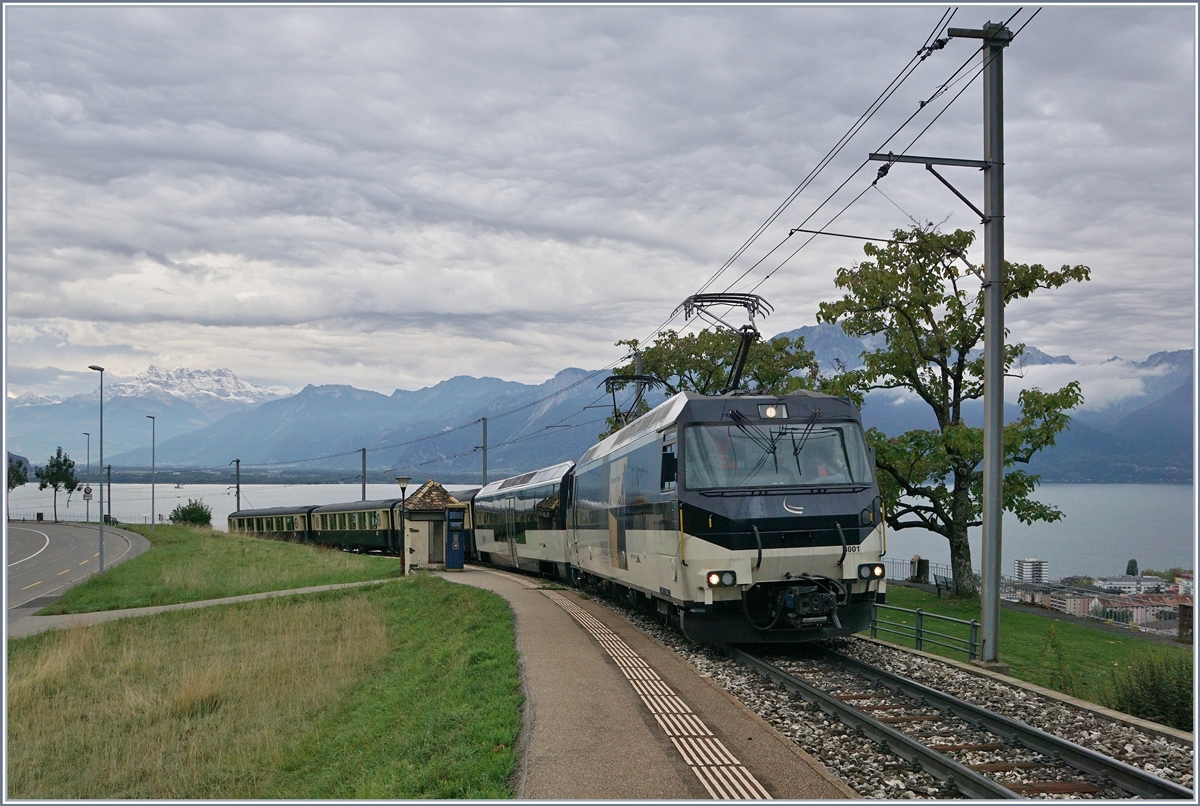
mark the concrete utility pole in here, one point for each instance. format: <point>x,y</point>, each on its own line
<point>237,484</point>
<point>100,503</point>
<point>88,516</point>
<point>995,38</point>
<point>485,451</point>
<point>153,428</point>
<point>109,513</point>
<point>364,474</point>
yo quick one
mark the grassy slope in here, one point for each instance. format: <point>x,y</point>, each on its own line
<point>1090,655</point>
<point>188,565</point>
<point>367,693</point>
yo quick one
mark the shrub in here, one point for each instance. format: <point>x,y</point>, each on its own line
<point>1155,686</point>
<point>1061,673</point>
<point>193,513</point>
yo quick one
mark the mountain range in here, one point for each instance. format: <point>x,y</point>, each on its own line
<point>207,418</point>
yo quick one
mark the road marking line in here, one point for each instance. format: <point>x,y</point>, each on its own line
<point>717,768</point>
<point>60,573</point>
<point>36,553</point>
<point>27,587</point>
<point>85,562</point>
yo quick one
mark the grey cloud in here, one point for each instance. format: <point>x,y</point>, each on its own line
<point>565,171</point>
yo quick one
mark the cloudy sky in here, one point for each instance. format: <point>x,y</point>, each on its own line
<point>390,196</point>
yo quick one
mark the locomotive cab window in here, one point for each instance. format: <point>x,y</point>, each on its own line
<point>768,454</point>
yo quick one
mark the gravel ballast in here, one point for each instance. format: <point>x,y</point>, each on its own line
<point>876,774</point>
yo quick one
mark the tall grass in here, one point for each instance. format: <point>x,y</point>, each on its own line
<point>189,564</point>
<point>404,691</point>
<point>1156,686</point>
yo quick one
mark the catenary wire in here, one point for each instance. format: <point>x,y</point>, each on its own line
<point>936,94</point>
<point>842,142</point>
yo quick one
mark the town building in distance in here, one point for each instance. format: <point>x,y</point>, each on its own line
<point>1032,570</point>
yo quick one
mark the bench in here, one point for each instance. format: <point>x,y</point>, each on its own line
<point>943,583</point>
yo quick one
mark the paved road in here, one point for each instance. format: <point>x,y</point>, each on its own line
<point>44,559</point>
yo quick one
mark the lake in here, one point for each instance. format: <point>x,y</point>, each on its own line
<point>1105,525</point>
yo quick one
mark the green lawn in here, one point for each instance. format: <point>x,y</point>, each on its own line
<point>1082,664</point>
<point>406,690</point>
<point>187,564</point>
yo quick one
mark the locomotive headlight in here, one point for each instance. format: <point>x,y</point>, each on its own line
<point>872,571</point>
<point>721,579</point>
<point>772,411</point>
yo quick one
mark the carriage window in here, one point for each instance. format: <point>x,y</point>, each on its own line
<point>324,521</point>
<point>374,520</point>
<point>341,520</point>
<point>669,463</point>
<point>289,523</point>
<point>258,525</point>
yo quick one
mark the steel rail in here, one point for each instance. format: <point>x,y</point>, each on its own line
<point>969,782</point>
<point>1132,779</point>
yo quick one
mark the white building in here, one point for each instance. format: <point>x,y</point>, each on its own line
<point>1131,584</point>
<point>1032,570</point>
<point>1186,583</point>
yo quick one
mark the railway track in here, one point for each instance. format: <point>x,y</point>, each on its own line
<point>983,754</point>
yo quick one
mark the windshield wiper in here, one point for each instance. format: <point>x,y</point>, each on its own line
<point>765,442</point>
<point>808,429</point>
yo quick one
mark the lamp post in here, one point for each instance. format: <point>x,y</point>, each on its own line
<point>101,371</point>
<point>403,482</point>
<point>153,427</point>
<point>88,516</point>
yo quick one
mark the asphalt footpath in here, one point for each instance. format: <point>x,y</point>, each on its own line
<point>611,714</point>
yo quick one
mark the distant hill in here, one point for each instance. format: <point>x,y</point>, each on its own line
<point>436,428</point>
<point>181,400</point>
<point>208,419</point>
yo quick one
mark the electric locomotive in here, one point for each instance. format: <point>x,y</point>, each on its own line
<point>753,518</point>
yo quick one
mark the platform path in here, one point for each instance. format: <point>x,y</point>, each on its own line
<point>612,714</point>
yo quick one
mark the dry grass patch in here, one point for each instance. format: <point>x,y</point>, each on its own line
<point>182,705</point>
<point>403,690</point>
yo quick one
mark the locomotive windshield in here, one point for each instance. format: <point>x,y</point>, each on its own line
<point>754,454</point>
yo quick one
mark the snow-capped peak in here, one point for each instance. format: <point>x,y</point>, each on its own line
<point>198,386</point>
<point>32,399</point>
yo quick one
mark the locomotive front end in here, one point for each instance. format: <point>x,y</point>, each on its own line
<point>780,519</point>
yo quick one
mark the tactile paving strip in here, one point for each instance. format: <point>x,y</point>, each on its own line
<point>718,769</point>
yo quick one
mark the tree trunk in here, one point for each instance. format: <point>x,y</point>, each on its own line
<point>56,505</point>
<point>960,562</point>
<point>960,547</point>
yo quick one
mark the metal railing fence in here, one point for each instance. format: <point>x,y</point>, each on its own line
<point>921,635</point>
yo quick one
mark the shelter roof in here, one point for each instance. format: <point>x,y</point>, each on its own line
<point>430,497</point>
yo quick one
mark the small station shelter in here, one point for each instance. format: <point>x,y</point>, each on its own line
<point>436,528</point>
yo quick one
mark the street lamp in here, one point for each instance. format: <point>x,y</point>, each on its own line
<point>153,427</point>
<point>403,482</point>
<point>88,516</point>
<point>101,371</point>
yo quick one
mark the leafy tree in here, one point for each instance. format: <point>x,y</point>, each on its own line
<point>193,513</point>
<point>1168,575</point>
<point>912,291</point>
<point>58,474</point>
<point>1131,568</point>
<point>17,475</point>
<point>700,362</point>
